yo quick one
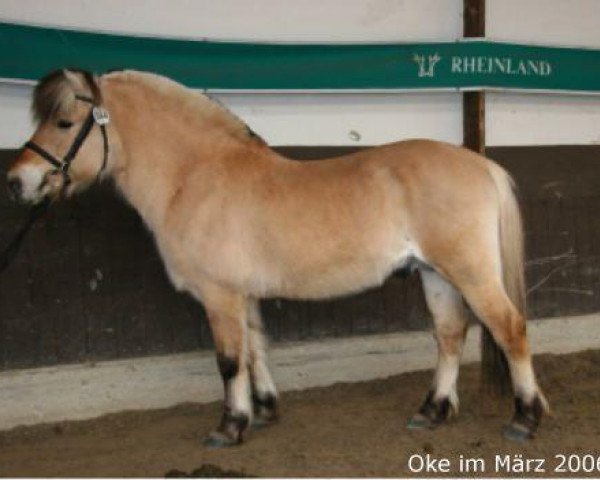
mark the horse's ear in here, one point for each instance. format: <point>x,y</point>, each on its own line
<point>54,94</point>
<point>74,79</point>
<point>84,83</point>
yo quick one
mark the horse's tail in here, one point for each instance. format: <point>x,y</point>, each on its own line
<point>495,370</point>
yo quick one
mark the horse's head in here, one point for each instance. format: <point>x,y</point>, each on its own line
<point>69,147</point>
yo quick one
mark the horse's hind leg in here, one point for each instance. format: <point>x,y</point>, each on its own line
<point>264,393</point>
<point>490,303</point>
<point>227,315</point>
<point>450,320</point>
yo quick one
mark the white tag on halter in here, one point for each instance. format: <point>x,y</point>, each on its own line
<point>101,116</point>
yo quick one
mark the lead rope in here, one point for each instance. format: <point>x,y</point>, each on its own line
<point>11,250</point>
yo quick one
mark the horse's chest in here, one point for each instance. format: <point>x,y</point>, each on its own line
<point>190,260</point>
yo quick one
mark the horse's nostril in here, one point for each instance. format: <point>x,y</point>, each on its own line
<point>15,187</point>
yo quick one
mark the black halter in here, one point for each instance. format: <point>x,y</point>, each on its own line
<point>97,115</point>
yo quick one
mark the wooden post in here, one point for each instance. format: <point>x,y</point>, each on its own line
<point>474,102</point>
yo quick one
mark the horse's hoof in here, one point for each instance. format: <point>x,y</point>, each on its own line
<point>420,422</point>
<point>517,433</point>
<point>431,414</point>
<point>219,440</point>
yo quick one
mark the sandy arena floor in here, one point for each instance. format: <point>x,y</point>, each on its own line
<point>343,430</point>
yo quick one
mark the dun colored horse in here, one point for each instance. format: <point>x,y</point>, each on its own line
<point>235,222</point>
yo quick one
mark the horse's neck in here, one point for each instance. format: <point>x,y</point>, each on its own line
<point>159,144</point>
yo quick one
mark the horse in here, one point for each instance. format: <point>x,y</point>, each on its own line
<point>236,222</point>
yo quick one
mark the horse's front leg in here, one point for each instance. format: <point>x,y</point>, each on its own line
<point>227,315</point>
<point>264,393</point>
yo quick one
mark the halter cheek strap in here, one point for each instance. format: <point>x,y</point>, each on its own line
<point>97,115</point>
<point>44,154</point>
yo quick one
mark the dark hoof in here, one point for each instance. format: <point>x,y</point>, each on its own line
<point>265,410</point>
<point>517,433</point>
<point>220,440</point>
<point>431,413</point>
<point>229,432</point>
<point>525,421</point>
<point>420,422</point>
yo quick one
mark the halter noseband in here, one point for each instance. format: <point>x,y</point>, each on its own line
<point>97,115</point>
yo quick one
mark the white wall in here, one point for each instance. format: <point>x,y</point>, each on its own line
<point>323,119</point>
<point>329,119</point>
<point>14,115</point>
<point>549,22</point>
<point>286,20</point>
<point>531,119</point>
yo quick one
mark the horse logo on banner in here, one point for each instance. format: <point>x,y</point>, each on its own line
<point>426,64</point>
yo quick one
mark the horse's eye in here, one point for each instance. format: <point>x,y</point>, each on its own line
<point>64,124</point>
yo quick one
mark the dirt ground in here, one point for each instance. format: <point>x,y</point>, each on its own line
<point>344,430</point>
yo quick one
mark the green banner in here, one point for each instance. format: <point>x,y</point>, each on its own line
<point>30,52</point>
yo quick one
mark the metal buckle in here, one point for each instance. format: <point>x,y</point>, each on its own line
<point>101,116</point>
<point>64,166</point>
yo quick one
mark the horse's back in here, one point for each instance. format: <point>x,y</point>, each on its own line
<point>415,178</point>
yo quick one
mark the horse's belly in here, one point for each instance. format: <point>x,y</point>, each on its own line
<point>328,271</point>
<point>344,279</point>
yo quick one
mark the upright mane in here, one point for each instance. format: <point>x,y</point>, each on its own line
<point>55,94</point>
<point>208,108</point>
